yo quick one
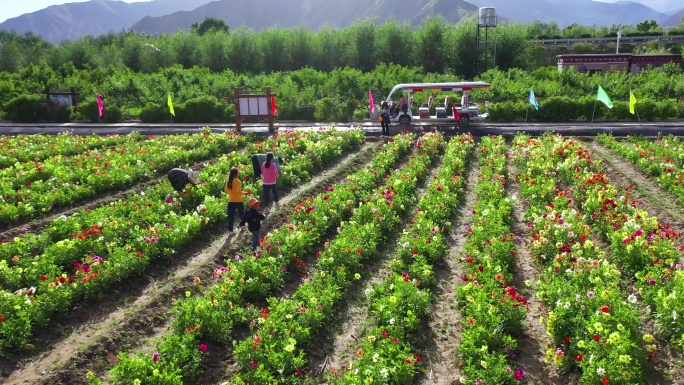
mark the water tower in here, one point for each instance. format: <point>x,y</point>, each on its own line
<point>486,20</point>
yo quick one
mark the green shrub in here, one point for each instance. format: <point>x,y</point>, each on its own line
<point>204,109</point>
<point>155,113</point>
<point>27,109</point>
<point>88,111</point>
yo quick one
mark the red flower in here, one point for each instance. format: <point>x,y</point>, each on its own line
<point>604,380</point>
<point>566,340</point>
<point>579,357</point>
<point>62,279</point>
<point>264,313</point>
<point>480,267</point>
<point>203,347</point>
<point>43,278</point>
<point>358,251</point>
<point>605,309</point>
<point>384,333</point>
<point>395,340</point>
<point>597,338</point>
<point>2,319</point>
<point>415,252</point>
<point>408,361</point>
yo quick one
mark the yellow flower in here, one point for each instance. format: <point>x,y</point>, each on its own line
<point>483,363</point>
<point>598,326</point>
<point>648,338</point>
<point>371,338</point>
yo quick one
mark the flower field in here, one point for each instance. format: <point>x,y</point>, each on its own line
<point>379,226</point>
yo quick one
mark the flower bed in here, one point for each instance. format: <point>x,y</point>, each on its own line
<point>122,239</point>
<point>31,189</point>
<point>275,350</point>
<point>492,312</point>
<point>33,148</point>
<point>593,321</point>
<point>403,298</point>
<point>213,315</point>
<point>663,159</point>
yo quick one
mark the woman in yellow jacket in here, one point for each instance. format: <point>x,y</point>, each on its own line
<point>235,199</point>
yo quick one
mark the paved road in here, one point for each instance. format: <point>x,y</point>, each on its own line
<point>373,129</point>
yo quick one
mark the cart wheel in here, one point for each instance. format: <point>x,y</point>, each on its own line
<point>405,120</point>
<point>464,120</point>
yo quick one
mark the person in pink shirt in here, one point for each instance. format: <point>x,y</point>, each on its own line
<point>269,176</point>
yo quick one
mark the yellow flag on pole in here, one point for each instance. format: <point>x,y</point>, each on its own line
<point>632,102</point>
<point>170,103</point>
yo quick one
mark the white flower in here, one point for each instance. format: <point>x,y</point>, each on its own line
<point>632,298</point>
<point>391,321</point>
<point>384,372</point>
<point>375,357</point>
<point>601,371</point>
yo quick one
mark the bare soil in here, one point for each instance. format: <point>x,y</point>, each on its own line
<point>91,337</point>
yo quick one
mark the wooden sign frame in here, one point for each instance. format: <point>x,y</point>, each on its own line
<point>254,106</point>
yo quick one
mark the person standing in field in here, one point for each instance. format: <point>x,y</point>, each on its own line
<point>253,218</point>
<point>385,115</point>
<point>235,199</point>
<point>180,178</point>
<point>269,177</point>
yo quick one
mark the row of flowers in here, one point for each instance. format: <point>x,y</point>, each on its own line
<point>645,248</point>
<point>275,350</point>
<point>24,261</point>
<point>593,322</point>
<point>33,148</point>
<point>32,189</point>
<point>227,303</point>
<point>403,298</point>
<point>127,236</point>
<point>492,311</point>
<point>662,159</point>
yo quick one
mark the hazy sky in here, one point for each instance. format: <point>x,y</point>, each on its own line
<point>666,6</point>
<point>14,8</point>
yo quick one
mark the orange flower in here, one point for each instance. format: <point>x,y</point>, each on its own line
<point>359,352</point>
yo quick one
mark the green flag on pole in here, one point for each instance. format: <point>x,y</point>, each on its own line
<point>603,97</point>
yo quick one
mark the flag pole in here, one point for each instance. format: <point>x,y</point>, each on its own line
<point>637,112</point>
<point>592,114</point>
<point>527,111</point>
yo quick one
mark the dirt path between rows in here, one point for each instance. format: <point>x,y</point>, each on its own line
<point>355,318</point>
<point>440,337</point>
<point>648,193</point>
<point>94,344</point>
<point>533,344</point>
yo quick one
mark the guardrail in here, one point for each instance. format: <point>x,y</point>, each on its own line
<point>625,39</point>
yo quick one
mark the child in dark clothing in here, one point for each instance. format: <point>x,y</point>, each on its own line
<point>253,218</point>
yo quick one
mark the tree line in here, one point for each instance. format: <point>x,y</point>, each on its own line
<point>436,46</point>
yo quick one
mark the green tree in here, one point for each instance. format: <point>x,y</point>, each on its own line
<point>395,43</point>
<point>431,44</point>
<point>210,24</point>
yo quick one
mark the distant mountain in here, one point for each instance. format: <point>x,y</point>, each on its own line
<point>674,19</point>
<point>262,14</point>
<point>95,17</point>
<point>566,12</point>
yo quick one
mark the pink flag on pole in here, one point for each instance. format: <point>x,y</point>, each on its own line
<point>370,99</point>
<point>100,105</point>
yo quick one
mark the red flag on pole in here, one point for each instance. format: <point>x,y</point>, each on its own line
<point>274,107</point>
<point>100,105</point>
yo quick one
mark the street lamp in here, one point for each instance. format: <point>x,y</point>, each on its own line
<point>617,44</point>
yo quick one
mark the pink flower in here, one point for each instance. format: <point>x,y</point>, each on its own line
<point>155,357</point>
<point>203,347</point>
<point>518,374</point>
<point>590,294</point>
